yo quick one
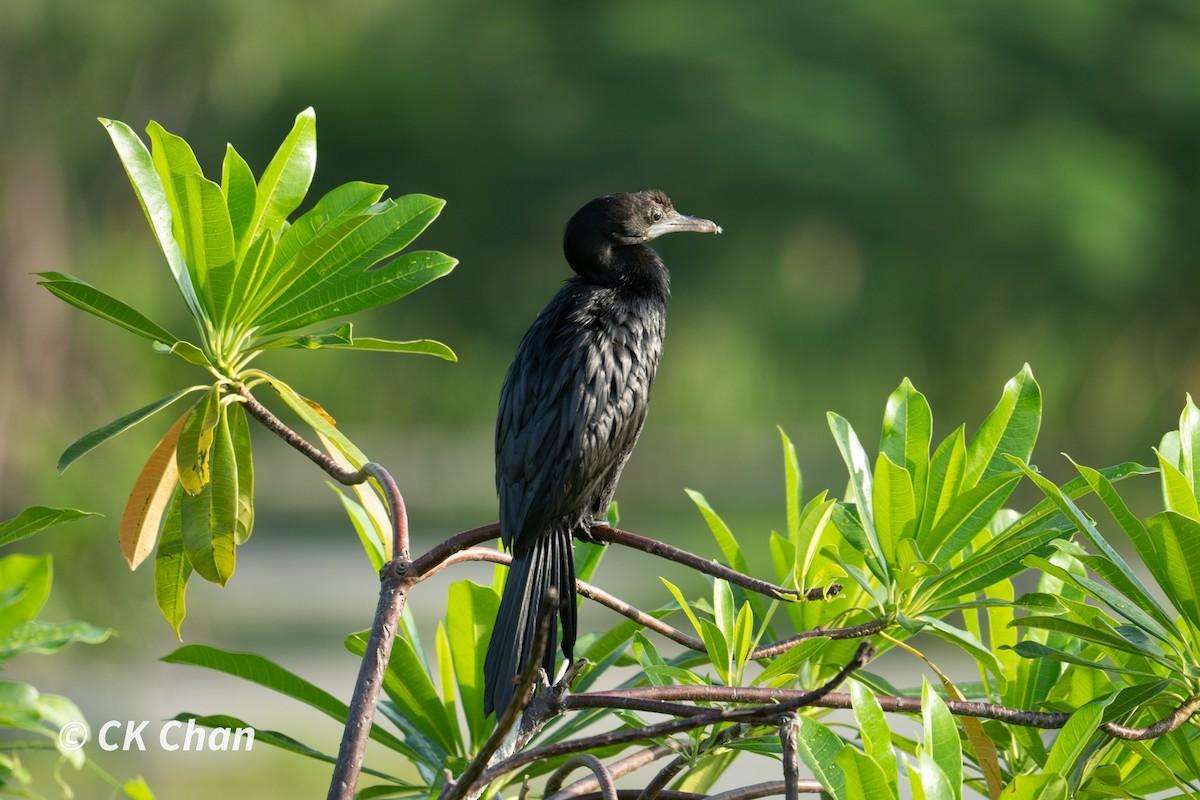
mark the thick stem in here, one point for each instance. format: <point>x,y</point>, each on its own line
<point>604,778</point>
<point>789,732</point>
<point>393,591</point>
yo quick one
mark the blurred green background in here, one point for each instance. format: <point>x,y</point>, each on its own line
<point>935,190</point>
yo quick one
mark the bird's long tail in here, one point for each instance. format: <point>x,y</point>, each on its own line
<point>549,562</point>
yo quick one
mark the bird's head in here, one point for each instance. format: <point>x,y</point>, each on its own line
<point>624,219</point>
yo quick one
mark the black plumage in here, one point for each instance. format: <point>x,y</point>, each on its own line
<point>571,410</point>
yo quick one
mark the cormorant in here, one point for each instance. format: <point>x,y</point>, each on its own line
<point>571,409</point>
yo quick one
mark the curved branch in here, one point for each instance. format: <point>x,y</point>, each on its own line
<point>631,763</point>
<point>604,533</point>
<point>804,785</point>
<point>346,477</point>
<point>461,551</point>
<point>608,791</point>
<point>755,714</point>
<point>1167,724</point>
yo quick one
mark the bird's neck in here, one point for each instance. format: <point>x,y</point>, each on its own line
<point>635,268</point>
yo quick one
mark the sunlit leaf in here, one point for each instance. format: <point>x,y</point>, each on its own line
<point>907,431</point>
<point>49,637</point>
<point>1011,429</point>
<point>241,193</point>
<point>26,581</point>
<point>90,299</point>
<point>286,179</point>
<point>193,452</point>
<point>1072,740</point>
<point>171,567</point>
<point>152,196</point>
<point>210,516</point>
<point>37,518</point>
<point>95,438</point>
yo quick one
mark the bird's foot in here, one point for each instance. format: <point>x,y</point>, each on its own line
<point>584,532</point>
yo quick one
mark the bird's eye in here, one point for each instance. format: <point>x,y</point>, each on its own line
<point>656,215</point>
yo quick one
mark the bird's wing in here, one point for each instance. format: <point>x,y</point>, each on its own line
<point>536,427</point>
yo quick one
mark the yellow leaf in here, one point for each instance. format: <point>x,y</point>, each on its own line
<point>149,499</point>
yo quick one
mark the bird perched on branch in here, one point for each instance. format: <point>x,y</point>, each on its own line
<point>571,410</point>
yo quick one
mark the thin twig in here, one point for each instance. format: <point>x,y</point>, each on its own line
<point>624,766</point>
<point>464,786</point>
<point>604,533</point>
<point>668,695</point>
<point>758,714</point>
<point>598,595</point>
<point>789,732</point>
<point>805,786</point>
<point>608,791</point>
<point>654,789</point>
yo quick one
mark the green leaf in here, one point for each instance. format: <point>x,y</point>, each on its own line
<point>409,686</point>
<point>359,291</point>
<point>210,516</point>
<point>861,490</point>
<point>171,567</point>
<point>683,604</point>
<point>1011,429</point>
<point>876,735</point>
<point>49,637</point>
<point>338,334</point>
<point>319,421</point>
<point>364,526</point>
<point>37,518</point>
<point>1043,786</point>
<point>998,560</point>
<point>1177,538</point>
<point>907,432</point>
<point>342,253</point>
<point>90,299</point>
<point>1090,633</point>
<point>287,178</point>
<point>253,268</point>
<point>967,641</point>
<point>819,747</point>
<point>468,628</point>
<point>186,351</point>
<point>1133,585</point>
<point>788,662</point>
<point>967,514</point>
<point>1178,494</point>
<point>241,194</point>
<point>239,430</point>
<point>718,650</point>
<point>1073,739</point>
<point>152,195</point>
<point>193,452</point>
<point>285,742</point>
<point>864,777</point>
<point>26,585</point>
<point>1189,444</point>
<point>427,347</point>
<point>210,243</point>
<point>95,438</point>
<point>264,672</point>
<point>941,740</point>
<point>944,481</point>
<point>348,202</point>
<point>895,507</point>
<point>793,485</point>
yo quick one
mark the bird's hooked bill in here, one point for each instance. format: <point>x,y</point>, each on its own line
<point>674,222</point>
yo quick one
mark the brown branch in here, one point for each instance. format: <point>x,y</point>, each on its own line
<point>604,533</point>
<point>608,791</point>
<point>669,695</point>
<point>1167,724</point>
<point>346,477</point>
<point>393,590</point>
<point>630,763</point>
<point>755,714</point>
<point>806,786</point>
<point>789,732</point>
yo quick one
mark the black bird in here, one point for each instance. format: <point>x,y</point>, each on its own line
<point>571,409</point>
